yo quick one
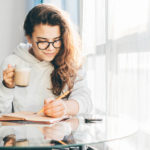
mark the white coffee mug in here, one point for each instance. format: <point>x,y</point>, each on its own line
<point>22,76</point>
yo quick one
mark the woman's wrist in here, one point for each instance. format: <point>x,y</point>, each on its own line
<point>71,107</point>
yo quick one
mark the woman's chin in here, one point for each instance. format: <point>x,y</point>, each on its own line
<point>49,59</point>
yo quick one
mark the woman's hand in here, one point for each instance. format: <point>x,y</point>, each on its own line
<point>8,77</point>
<point>55,108</point>
<point>57,131</point>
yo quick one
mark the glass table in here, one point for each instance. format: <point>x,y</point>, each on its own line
<point>75,133</point>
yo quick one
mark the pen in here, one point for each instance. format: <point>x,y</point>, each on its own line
<point>92,120</point>
<point>58,142</point>
<point>58,98</point>
<point>63,143</point>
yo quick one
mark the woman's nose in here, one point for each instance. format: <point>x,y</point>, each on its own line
<point>51,47</point>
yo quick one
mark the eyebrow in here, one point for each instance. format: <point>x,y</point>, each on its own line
<point>47,38</point>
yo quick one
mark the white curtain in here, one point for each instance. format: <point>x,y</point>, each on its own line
<point>93,33</point>
<point>128,59</point>
<point>118,64</point>
<point>92,30</point>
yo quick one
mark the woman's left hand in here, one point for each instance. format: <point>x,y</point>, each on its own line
<point>54,108</point>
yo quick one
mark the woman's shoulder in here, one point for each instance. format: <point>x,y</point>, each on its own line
<point>11,59</point>
<point>81,72</point>
<point>15,57</point>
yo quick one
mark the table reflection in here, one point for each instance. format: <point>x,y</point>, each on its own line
<point>17,134</point>
<point>73,131</point>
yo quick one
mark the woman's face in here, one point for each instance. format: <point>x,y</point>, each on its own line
<point>41,35</point>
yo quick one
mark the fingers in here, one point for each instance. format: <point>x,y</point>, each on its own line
<point>8,76</point>
<point>55,111</point>
<point>55,115</point>
<point>10,69</point>
<point>9,65</point>
<point>46,101</point>
<point>59,114</point>
<point>55,108</point>
<point>53,103</point>
<point>9,80</point>
<point>8,72</point>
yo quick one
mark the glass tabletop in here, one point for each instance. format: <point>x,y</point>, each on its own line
<point>72,132</point>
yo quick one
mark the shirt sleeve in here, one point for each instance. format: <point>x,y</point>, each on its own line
<point>81,93</point>
<point>6,94</point>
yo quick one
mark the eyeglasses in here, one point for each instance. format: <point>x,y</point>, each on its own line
<point>43,45</point>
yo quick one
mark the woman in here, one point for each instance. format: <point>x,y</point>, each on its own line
<point>52,52</point>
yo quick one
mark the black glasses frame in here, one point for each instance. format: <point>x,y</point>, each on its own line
<point>48,44</point>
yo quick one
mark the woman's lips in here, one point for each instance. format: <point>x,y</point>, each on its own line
<point>49,54</point>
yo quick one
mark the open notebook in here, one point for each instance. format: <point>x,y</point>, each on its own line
<point>30,116</point>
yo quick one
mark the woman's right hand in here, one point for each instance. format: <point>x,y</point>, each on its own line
<point>8,77</point>
<point>57,131</point>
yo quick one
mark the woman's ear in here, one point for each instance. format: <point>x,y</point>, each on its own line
<point>29,39</point>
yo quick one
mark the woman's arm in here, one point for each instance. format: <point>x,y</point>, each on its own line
<point>6,94</point>
<point>80,97</point>
<point>72,107</point>
<point>78,102</point>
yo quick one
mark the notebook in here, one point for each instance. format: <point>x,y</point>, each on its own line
<point>30,116</point>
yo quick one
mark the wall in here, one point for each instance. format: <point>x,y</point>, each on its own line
<point>12,15</point>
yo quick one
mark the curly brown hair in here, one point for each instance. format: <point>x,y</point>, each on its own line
<point>68,60</point>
